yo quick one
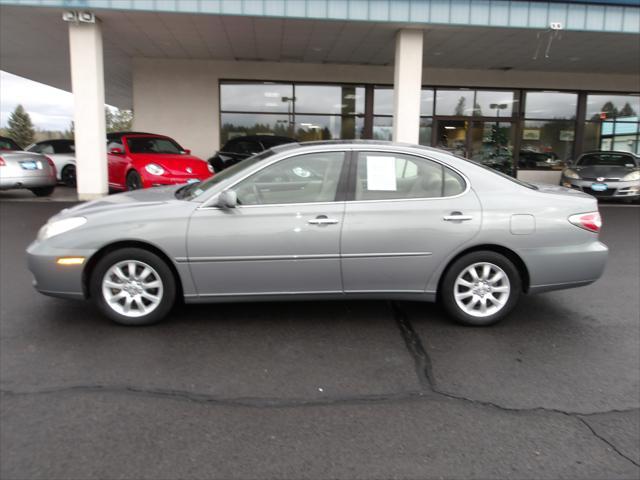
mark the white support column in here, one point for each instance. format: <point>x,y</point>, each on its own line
<point>87,80</point>
<point>407,85</point>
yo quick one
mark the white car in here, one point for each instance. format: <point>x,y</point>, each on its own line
<point>63,154</point>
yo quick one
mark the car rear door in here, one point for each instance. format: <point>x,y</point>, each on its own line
<point>406,215</point>
<point>282,238</point>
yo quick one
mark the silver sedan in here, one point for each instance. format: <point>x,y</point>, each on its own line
<point>20,169</point>
<point>324,221</point>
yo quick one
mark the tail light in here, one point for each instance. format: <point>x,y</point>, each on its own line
<point>51,164</point>
<point>589,221</point>
<point>2,164</point>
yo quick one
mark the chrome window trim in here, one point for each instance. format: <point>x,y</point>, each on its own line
<point>341,148</point>
<point>321,256</point>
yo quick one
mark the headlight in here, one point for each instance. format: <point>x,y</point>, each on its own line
<point>631,176</point>
<point>154,169</point>
<point>210,168</point>
<point>569,173</point>
<point>61,226</point>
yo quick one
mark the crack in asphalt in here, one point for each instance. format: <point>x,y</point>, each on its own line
<point>424,372</point>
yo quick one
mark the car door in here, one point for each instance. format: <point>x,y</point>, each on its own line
<point>406,215</point>
<point>282,238</point>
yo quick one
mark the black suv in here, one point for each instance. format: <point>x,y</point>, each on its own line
<point>239,148</point>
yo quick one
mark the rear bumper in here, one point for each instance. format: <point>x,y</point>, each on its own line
<point>557,268</point>
<point>53,279</point>
<point>8,183</point>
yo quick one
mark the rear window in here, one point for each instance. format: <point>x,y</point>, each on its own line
<point>607,159</point>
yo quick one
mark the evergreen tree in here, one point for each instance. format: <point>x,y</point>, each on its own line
<point>20,127</point>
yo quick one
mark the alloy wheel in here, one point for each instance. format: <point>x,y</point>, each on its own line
<point>132,288</point>
<point>482,289</point>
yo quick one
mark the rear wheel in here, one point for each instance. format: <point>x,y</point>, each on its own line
<point>68,175</point>
<point>134,181</point>
<point>480,288</point>
<point>133,286</point>
<point>42,191</point>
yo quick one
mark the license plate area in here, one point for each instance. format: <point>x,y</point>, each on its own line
<point>599,187</point>
<point>31,165</point>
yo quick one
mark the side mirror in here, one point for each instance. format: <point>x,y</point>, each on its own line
<point>227,199</point>
<point>187,151</point>
<point>116,151</point>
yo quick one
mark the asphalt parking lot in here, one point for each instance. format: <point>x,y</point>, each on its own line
<point>321,390</point>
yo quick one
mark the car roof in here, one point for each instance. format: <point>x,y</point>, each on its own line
<point>353,143</point>
<point>112,135</point>
<point>56,140</point>
<point>610,152</point>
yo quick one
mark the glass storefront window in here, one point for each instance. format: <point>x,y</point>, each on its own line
<point>491,144</point>
<point>551,105</point>
<point>256,97</point>
<point>346,100</point>
<point>494,104</point>
<point>546,144</point>
<point>327,127</point>
<point>603,107</point>
<point>241,124</point>
<point>383,129</point>
<point>383,101</point>
<point>458,103</point>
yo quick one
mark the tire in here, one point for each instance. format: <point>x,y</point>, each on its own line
<point>68,176</point>
<point>134,181</point>
<point>42,191</point>
<point>159,276</point>
<point>459,272</point>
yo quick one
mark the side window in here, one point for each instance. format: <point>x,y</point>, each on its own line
<point>115,144</point>
<point>64,147</point>
<point>386,176</point>
<point>35,148</point>
<point>247,147</point>
<point>306,178</point>
<point>454,184</point>
<point>44,148</point>
<point>230,147</point>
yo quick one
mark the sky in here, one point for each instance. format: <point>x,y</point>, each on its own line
<point>50,108</point>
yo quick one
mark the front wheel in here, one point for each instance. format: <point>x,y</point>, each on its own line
<point>42,191</point>
<point>133,286</point>
<point>134,181</point>
<point>480,288</point>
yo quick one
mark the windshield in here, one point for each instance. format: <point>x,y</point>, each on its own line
<point>607,159</point>
<point>153,145</point>
<point>194,190</point>
<point>8,144</point>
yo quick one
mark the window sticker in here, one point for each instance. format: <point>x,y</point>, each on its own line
<point>381,173</point>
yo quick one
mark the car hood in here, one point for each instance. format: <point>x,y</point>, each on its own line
<point>120,201</point>
<point>605,171</point>
<point>175,164</point>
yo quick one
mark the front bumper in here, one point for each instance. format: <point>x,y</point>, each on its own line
<point>615,189</point>
<point>149,180</point>
<point>53,279</point>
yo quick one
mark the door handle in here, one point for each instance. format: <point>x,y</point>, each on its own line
<point>457,217</point>
<point>322,220</point>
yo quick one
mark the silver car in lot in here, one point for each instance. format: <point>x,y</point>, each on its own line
<point>327,220</point>
<point>613,175</point>
<point>20,169</point>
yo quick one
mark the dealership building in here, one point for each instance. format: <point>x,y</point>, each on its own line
<point>520,86</point>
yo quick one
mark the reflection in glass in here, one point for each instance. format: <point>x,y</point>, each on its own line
<point>383,101</point>
<point>240,124</point>
<point>491,143</point>
<point>546,145</point>
<point>602,107</point>
<point>328,127</point>
<point>345,100</point>
<point>551,105</point>
<point>256,97</point>
<point>383,129</point>
<point>457,103</point>
<point>494,104</point>
<point>452,136</point>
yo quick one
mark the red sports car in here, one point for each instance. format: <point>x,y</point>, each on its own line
<point>142,160</point>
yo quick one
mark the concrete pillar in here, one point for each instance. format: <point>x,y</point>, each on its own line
<point>87,81</point>
<point>407,83</point>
